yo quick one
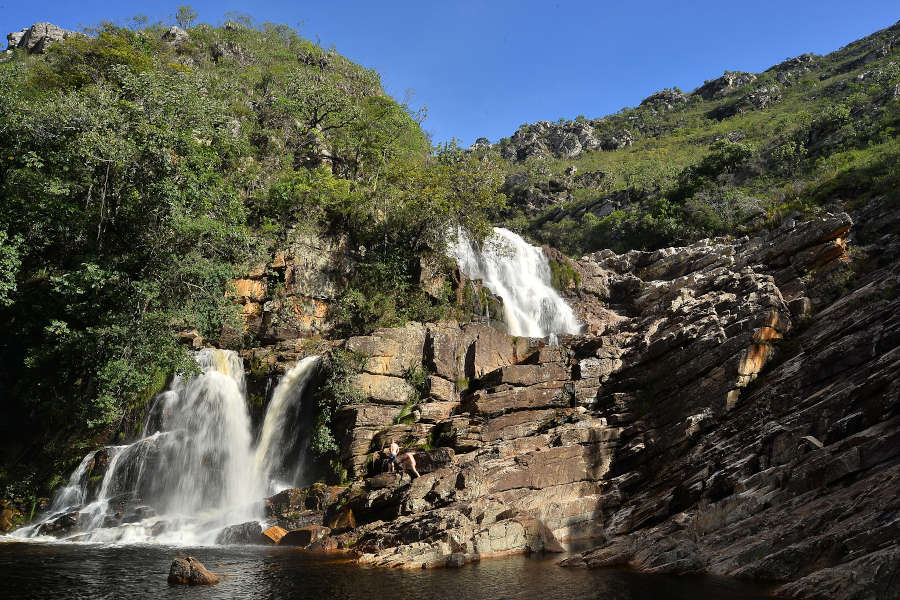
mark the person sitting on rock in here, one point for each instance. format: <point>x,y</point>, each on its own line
<point>391,451</point>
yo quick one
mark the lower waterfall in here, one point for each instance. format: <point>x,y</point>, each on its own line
<point>195,469</point>
<point>520,274</point>
<point>280,429</point>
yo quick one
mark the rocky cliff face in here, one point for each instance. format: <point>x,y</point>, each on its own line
<point>732,409</point>
<point>792,476</point>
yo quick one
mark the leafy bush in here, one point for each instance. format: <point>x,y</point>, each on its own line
<point>340,366</point>
<point>563,275</point>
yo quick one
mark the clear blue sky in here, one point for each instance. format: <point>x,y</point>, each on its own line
<point>484,68</point>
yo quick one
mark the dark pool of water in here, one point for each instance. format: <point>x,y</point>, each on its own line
<point>78,571</point>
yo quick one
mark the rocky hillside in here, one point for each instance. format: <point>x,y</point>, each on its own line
<point>679,167</point>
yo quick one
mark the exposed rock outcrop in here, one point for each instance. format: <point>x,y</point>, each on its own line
<point>175,36</point>
<point>37,38</point>
<point>786,478</point>
<point>725,85</point>
<point>288,297</point>
<point>667,99</point>
<point>564,139</point>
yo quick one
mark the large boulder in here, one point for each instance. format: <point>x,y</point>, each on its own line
<point>190,571</point>
<point>243,533</point>
<point>61,525</point>
<point>383,389</point>
<point>304,536</point>
<point>176,36</point>
<point>391,351</point>
<point>37,38</point>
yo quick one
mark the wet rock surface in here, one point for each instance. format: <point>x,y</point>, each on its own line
<point>243,533</point>
<point>190,571</point>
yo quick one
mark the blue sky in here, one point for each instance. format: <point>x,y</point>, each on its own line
<point>484,68</point>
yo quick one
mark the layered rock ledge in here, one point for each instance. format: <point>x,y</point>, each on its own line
<point>731,409</point>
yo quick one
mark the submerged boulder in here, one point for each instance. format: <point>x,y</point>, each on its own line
<point>60,525</point>
<point>190,571</point>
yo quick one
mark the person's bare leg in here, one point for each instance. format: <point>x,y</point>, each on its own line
<point>412,463</point>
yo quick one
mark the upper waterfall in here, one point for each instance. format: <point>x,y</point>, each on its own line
<point>520,274</point>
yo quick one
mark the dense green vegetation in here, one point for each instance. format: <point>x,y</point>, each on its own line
<point>141,172</point>
<point>802,135</point>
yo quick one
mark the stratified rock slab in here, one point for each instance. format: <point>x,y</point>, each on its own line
<point>273,535</point>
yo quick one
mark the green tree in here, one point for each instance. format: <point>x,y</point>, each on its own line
<point>185,16</point>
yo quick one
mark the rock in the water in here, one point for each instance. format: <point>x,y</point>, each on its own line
<point>243,533</point>
<point>190,571</point>
<point>304,536</point>
<point>60,526</point>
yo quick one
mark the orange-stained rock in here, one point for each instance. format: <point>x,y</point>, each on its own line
<point>252,289</point>
<point>251,309</point>
<point>273,535</point>
<point>8,517</point>
<point>344,519</point>
<point>308,310</point>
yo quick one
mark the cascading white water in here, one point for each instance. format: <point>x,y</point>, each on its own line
<point>520,274</point>
<point>279,436</point>
<point>73,493</point>
<point>194,471</point>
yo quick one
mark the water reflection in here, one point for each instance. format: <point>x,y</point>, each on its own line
<point>80,571</point>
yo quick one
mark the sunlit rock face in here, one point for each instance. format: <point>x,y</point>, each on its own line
<point>37,38</point>
<point>721,398</point>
